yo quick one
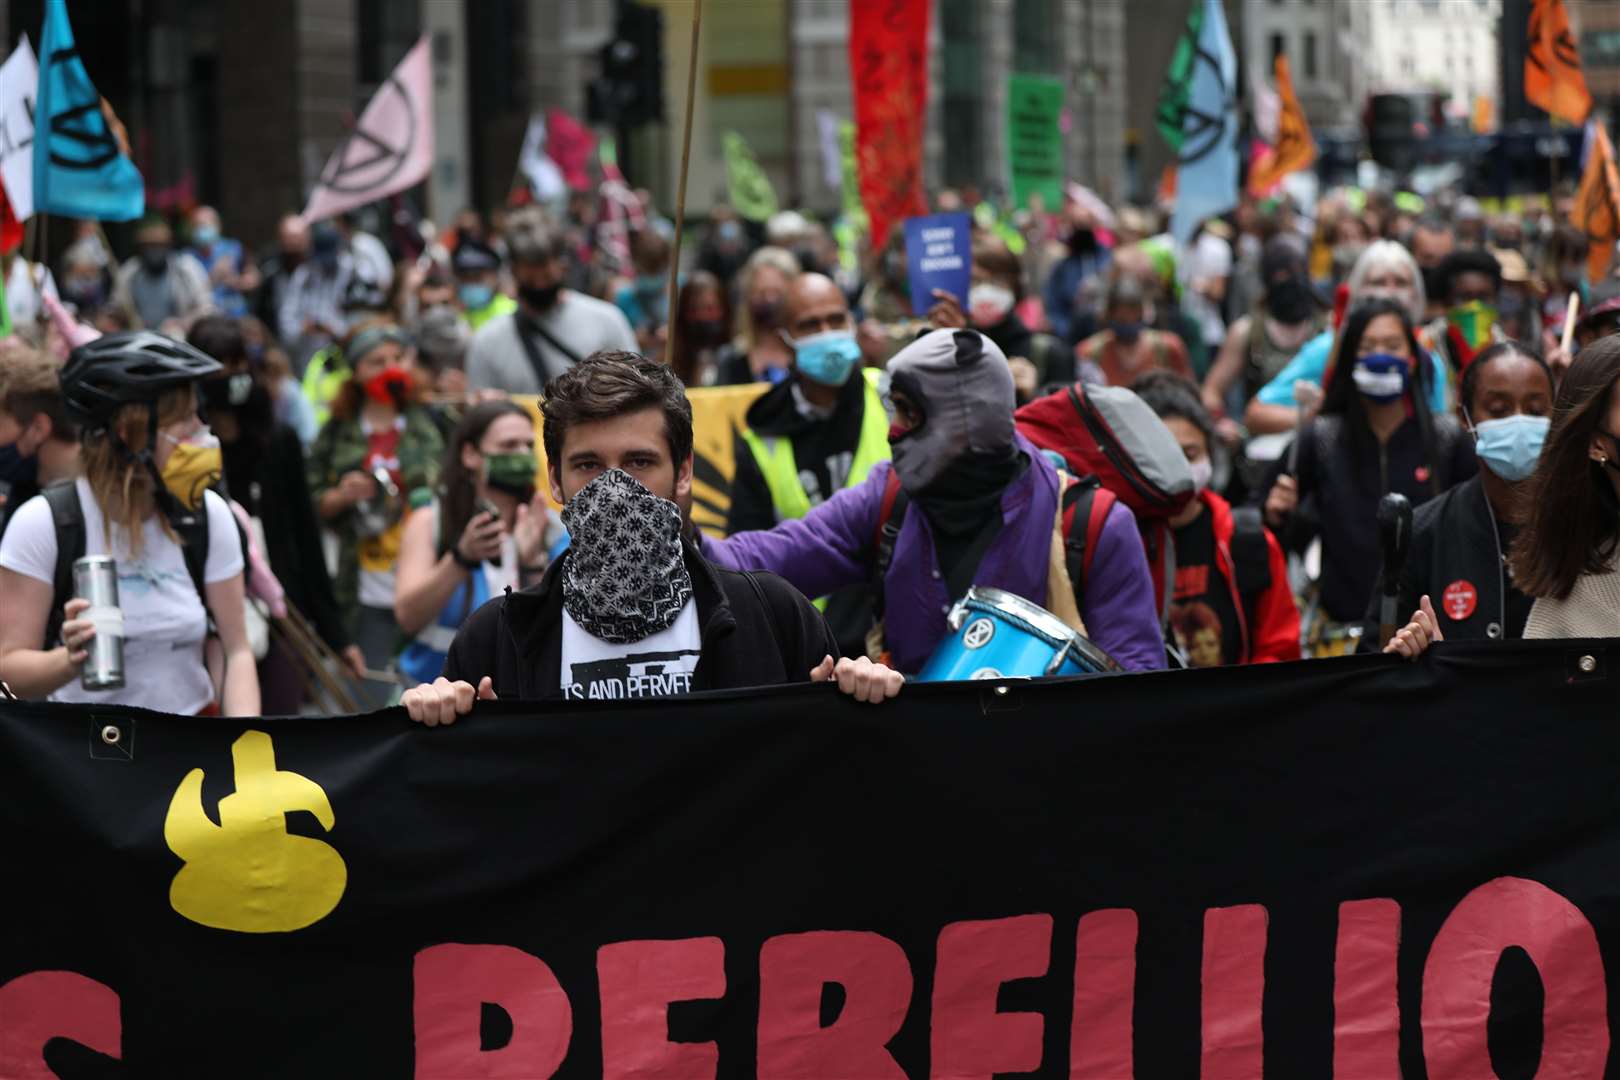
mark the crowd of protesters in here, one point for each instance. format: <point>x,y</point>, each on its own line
<point>353,394</point>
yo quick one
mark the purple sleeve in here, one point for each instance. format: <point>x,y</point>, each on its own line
<point>826,550</point>
<point>1119,609</point>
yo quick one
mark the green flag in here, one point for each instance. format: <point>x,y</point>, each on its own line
<point>5,310</point>
<point>1035,139</point>
<point>1172,110</point>
<point>750,189</point>
<point>854,209</point>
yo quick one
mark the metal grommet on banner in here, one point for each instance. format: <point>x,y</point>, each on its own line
<point>1584,667</point>
<point>1001,691</point>
<point>112,740</point>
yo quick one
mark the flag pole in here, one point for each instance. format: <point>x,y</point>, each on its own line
<point>680,191</point>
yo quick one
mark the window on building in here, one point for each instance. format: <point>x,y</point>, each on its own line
<point>1034,43</point>
<point>964,135</point>
<point>386,30</point>
<point>1279,46</point>
<point>1310,54</point>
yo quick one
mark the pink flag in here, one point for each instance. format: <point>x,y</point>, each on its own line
<point>570,145</point>
<point>391,147</point>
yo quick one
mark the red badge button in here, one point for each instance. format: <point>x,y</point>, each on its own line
<point>1421,474</point>
<point>1459,600</point>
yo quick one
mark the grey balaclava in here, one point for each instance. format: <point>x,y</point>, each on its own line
<point>961,383</point>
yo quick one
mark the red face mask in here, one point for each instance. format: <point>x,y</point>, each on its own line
<point>390,386</point>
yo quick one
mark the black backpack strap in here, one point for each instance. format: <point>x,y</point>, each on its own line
<point>523,327</point>
<point>68,518</point>
<point>1251,559</point>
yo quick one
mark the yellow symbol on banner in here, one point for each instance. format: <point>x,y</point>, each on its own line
<point>248,873</point>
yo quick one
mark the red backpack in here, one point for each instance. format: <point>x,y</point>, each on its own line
<point>1109,433</point>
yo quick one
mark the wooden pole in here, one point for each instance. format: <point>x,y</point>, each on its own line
<point>680,191</point>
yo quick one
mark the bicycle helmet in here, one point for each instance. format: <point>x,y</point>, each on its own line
<point>131,367</point>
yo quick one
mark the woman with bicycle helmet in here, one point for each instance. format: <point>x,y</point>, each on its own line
<point>143,498</point>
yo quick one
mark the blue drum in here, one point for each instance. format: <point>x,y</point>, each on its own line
<point>997,635</point>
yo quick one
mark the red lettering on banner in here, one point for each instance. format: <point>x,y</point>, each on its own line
<point>1104,996</point>
<point>452,984</point>
<point>1462,963</point>
<point>1366,1010</point>
<point>970,1038</point>
<point>1234,985</point>
<point>45,1005</point>
<point>793,971</point>
<point>639,979</point>
<point>888,58</point>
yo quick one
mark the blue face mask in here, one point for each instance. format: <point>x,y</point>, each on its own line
<point>827,357</point>
<point>204,235</point>
<point>1511,446</point>
<point>475,297</point>
<point>1381,377</point>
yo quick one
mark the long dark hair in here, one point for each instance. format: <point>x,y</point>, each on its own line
<point>1343,399</point>
<point>458,487</point>
<point>1574,522</point>
<point>682,349</point>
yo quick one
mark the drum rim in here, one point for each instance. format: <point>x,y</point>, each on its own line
<point>1039,619</point>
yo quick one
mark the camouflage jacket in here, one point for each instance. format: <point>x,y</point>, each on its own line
<point>341,448</point>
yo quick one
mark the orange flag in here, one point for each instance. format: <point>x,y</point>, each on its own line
<point>1552,68</point>
<point>1295,149</point>
<point>1597,203</point>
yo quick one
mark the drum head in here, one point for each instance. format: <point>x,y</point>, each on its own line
<point>1092,657</point>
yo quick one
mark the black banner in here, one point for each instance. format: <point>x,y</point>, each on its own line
<point>1353,868</point>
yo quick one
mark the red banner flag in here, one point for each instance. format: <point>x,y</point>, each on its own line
<point>888,59</point>
<point>11,230</point>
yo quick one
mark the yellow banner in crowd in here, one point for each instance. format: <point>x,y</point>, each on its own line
<point>717,416</point>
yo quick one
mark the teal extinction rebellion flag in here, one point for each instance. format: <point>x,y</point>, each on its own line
<point>81,164</point>
<point>1035,139</point>
<point>1207,166</point>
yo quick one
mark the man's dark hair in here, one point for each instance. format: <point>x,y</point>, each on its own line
<point>1430,224</point>
<point>1468,261</point>
<point>530,239</point>
<point>610,383</point>
<point>1171,395</point>
<point>218,336</point>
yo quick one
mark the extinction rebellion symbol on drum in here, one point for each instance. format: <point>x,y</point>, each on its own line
<point>978,634</point>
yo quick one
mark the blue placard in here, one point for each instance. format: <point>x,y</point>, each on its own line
<point>939,255</point>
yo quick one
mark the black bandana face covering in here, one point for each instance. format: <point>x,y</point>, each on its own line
<point>625,577</point>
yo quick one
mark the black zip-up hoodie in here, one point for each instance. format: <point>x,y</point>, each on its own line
<point>757,630</point>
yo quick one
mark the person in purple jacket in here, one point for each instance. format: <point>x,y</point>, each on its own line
<point>979,508</point>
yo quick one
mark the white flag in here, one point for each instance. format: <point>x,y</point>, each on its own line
<point>546,181</point>
<point>391,147</point>
<point>832,160</point>
<point>19,78</point>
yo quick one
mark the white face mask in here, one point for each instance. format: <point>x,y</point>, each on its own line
<point>988,303</point>
<point>1203,472</point>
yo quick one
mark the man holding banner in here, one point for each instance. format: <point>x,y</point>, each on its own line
<point>632,609</point>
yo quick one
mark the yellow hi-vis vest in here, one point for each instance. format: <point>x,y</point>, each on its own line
<point>774,455</point>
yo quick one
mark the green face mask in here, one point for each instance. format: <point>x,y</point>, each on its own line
<point>512,473</point>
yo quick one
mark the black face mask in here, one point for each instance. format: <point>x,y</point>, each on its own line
<point>154,260</point>
<point>1082,241</point>
<point>540,299</point>
<point>1432,282</point>
<point>706,331</point>
<point>1290,300</point>
<point>765,313</point>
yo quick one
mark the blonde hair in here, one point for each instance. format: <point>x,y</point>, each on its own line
<point>123,486</point>
<point>779,259</point>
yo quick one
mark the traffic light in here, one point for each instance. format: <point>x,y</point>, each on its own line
<point>630,89</point>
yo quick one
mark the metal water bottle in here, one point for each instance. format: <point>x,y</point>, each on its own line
<point>95,578</point>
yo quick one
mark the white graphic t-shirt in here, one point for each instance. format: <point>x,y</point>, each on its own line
<point>164,619</point>
<point>655,666</point>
